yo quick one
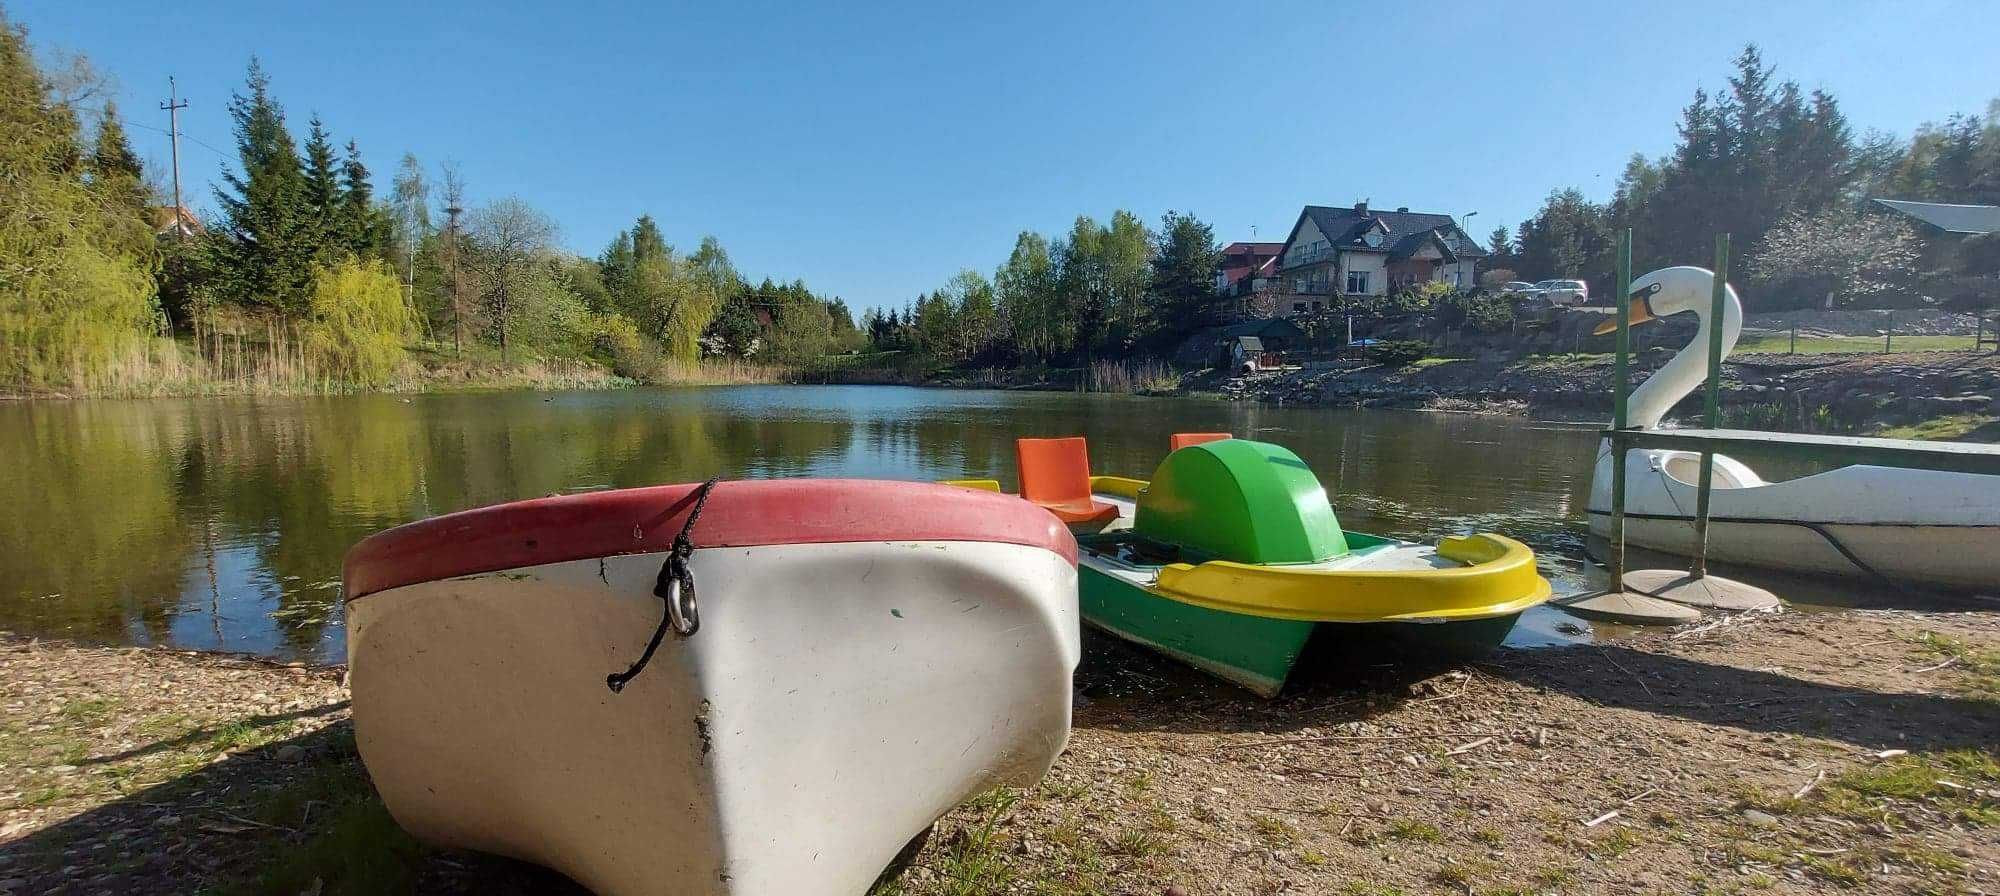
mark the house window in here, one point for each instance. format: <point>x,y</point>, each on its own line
<point>1298,307</point>
<point>1357,282</point>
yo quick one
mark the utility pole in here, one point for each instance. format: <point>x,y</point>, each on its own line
<point>173,107</point>
<point>450,249</point>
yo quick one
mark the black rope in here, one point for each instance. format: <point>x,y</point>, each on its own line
<point>675,589</point>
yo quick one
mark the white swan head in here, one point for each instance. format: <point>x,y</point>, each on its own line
<point>1666,292</point>
<point>1670,291</point>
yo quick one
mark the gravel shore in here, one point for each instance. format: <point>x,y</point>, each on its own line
<point>1849,751</point>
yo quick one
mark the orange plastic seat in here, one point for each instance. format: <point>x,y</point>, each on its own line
<point>1181,440</point>
<point>1055,475</point>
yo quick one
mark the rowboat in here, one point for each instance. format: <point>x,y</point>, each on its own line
<point>1231,560</point>
<point>539,680</point>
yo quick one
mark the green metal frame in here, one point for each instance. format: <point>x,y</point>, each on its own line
<point>1954,457</point>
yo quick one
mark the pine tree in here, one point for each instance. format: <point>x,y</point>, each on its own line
<point>119,180</point>
<point>263,253</point>
<point>364,229</point>
<point>1183,287</point>
<point>322,189</point>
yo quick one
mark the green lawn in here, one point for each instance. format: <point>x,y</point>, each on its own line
<point>1827,345</point>
<point>1956,427</point>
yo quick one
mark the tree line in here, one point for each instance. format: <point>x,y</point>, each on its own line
<point>1100,291</point>
<point>1780,170</point>
<point>308,261</point>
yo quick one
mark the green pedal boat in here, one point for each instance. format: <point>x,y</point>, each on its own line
<point>1230,559</point>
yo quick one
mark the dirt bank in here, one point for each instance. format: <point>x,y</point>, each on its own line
<point>1855,391</point>
<point>1800,753</point>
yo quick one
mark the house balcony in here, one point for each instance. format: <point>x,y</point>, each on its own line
<point>1315,256</point>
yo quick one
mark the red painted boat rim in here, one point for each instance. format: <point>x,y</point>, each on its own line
<point>738,514</point>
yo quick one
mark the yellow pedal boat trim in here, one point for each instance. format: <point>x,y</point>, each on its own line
<point>1499,579</point>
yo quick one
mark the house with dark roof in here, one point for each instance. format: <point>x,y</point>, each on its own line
<point>1943,227</point>
<point>1337,252</point>
<point>1940,218</point>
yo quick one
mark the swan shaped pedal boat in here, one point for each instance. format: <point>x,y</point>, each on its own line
<point>1231,559</point>
<point>860,658</point>
<point>1909,526</point>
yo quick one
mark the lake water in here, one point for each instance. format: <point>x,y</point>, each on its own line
<point>220,523</point>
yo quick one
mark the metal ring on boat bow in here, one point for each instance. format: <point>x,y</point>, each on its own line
<point>675,588</point>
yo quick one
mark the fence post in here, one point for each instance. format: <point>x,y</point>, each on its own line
<point>1620,383</point>
<point>1719,294</point>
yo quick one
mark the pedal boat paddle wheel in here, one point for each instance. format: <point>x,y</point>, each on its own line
<point>1230,559</point>
<point>738,687</point>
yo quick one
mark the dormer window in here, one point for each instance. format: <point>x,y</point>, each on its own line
<point>1373,238</point>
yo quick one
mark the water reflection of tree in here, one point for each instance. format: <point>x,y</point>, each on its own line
<point>119,506</point>
<point>93,541</point>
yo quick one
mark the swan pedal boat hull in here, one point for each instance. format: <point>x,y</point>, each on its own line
<point>1251,625</point>
<point>1913,527</point>
<point>869,654</point>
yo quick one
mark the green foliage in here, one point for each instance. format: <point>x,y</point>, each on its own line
<point>263,252</point>
<point>1116,291</point>
<point>359,321</point>
<point>74,296</point>
<point>1488,313</point>
<point>1397,353</point>
<point>1185,256</point>
<point>1037,321</point>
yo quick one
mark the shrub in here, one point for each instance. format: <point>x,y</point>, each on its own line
<point>1489,313</point>
<point>358,322</point>
<point>1398,352</point>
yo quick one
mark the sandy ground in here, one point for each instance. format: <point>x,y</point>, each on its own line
<point>1796,753</point>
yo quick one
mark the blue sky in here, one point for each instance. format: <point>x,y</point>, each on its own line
<point>875,151</point>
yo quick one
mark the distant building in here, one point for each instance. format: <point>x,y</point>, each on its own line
<point>1939,219</point>
<point>1339,252</point>
<point>165,219</point>
<point>1943,227</point>
<point>1246,267</point>
<point>1255,340</point>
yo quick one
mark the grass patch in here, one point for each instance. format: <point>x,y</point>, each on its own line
<point>972,862</point>
<point>1457,877</point>
<point>1845,871</point>
<point>1408,829</point>
<point>1554,877</point>
<point>1136,843</point>
<point>1978,667</point>
<point>92,711</point>
<point>1949,428</point>
<point>1427,363</point>
<point>1489,836</point>
<point>1363,888</point>
<point>1275,831</point>
<point>1945,781</point>
<point>1620,842</point>
<point>1781,343</point>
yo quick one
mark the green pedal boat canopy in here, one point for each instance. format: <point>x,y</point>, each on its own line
<point>1239,500</point>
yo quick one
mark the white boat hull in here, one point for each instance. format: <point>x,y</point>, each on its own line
<point>1914,527</point>
<point>836,699</point>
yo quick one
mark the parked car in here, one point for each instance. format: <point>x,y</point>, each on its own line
<point>1564,292</point>
<point>1516,288</point>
